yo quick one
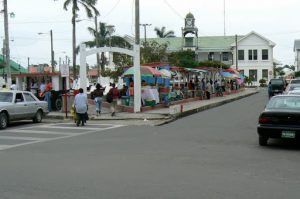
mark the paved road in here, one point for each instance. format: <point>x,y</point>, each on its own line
<point>213,154</point>
<point>19,134</point>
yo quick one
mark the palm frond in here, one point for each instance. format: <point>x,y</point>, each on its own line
<point>66,4</point>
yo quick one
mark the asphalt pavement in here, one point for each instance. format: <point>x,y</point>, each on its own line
<point>211,154</point>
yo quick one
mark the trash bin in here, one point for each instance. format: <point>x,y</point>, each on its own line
<point>131,101</point>
<point>125,100</point>
<point>68,99</point>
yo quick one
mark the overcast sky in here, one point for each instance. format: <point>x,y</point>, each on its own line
<point>274,19</point>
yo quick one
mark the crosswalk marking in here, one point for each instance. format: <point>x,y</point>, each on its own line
<point>38,132</point>
<point>4,146</point>
<point>68,130</point>
<point>21,138</point>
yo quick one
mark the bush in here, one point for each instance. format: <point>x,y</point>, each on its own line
<point>263,83</point>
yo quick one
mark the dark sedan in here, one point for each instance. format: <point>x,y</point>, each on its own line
<point>280,119</point>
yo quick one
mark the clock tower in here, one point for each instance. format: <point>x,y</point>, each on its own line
<point>189,33</point>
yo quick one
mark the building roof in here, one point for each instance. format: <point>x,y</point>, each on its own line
<point>271,43</point>
<point>296,44</point>
<point>205,42</point>
<point>189,15</point>
<point>15,67</point>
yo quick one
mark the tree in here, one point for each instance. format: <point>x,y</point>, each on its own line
<point>161,33</point>
<point>183,58</point>
<point>297,74</point>
<point>89,6</point>
<point>153,52</point>
<point>101,39</point>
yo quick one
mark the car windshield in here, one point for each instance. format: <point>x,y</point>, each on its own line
<point>295,81</point>
<point>276,81</point>
<point>294,87</point>
<point>6,97</point>
<point>286,102</point>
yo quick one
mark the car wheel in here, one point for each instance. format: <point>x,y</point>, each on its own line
<point>262,140</point>
<point>58,104</point>
<point>38,117</point>
<point>3,121</point>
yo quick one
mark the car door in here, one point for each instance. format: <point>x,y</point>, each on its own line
<point>21,106</point>
<point>32,104</point>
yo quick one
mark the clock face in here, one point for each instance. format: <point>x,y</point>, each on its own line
<point>189,22</point>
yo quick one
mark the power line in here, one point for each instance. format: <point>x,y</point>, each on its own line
<point>37,22</point>
<point>174,10</point>
<point>113,8</point>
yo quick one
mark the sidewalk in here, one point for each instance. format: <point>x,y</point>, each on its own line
<point>166,114</point>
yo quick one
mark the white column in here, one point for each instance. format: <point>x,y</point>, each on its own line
<point>82,72</point>
<point>137,79</point>
<point>111,58</point>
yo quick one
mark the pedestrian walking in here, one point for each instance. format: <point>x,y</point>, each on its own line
<point>48,95</point>
<point>208,89</point>
<point>81,107</point>
<point>114,92</point>
<point>98,95</point>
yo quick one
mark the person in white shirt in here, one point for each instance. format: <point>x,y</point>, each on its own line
<point>42,86</point>
<point>81,106</point>
<point>33,87</point>
<point>13,85</point>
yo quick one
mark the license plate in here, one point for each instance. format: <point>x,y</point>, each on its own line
<point>276,90</point>
<point>288,134</point>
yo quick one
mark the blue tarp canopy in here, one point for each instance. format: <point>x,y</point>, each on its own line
<point>227,74</point>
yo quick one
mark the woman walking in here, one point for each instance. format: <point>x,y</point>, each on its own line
<point>98,94</point>
<point>114,93</point>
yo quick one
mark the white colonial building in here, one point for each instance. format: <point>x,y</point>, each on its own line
<point>254,57</point>
<point>297,54</point>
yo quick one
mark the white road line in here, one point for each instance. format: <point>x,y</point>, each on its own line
<point>36,132</point>
<point>4,146</point>
<point>68,127</point>
<point>20,138</point>
<point>32,140</point>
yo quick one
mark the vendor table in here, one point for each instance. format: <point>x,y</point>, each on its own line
<point>150,94</point>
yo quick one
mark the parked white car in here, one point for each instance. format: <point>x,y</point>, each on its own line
<point>20,105</point>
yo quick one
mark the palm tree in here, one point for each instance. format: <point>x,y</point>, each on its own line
<point>101,39</point>
<point>89,6</point>
<point>161,33</point>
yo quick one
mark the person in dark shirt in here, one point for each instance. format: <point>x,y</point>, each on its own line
<point>98,94</point>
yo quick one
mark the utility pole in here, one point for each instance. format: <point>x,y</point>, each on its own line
<point>7,55</point>
<point>28,59</point>
<point>97,46</point>
<point>145,29</point>
<point>136,62</point>
<point>224,18</point>
<point>236,52</point>
<point>52,52</point>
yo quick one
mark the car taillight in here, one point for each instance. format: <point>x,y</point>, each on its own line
<point>263,120</point>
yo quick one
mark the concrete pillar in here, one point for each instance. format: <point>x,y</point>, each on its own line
<point>82,72</point>
<point>137,79</point>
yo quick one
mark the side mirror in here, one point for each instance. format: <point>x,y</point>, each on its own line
<point>18,100</point>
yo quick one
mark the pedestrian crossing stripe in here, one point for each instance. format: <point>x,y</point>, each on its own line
<point>52,131</point>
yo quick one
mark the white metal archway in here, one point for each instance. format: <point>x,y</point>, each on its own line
<point>135,53</point>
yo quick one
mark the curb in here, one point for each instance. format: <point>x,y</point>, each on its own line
<point>203,108</point>
<point>164,117</point>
